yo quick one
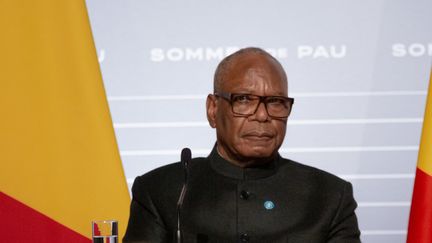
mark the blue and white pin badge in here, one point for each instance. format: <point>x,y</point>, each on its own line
<point>269,205</point>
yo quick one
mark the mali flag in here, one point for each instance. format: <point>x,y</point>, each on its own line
<point>60,165</point>
<point>420,222</point>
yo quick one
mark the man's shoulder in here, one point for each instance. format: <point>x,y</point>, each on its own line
<point>167,174</point>
<point>310,174</point>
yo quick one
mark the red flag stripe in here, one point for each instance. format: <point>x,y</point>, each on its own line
<point>21,223</point>
<point>420,223</point>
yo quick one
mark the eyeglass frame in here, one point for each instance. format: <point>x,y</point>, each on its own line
<point>262,99</point>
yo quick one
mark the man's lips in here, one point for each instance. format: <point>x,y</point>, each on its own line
<point>258,135</point>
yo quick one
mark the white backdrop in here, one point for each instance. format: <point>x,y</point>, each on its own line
<point>358,70</point>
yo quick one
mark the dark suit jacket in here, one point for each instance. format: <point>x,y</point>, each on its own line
<point>283,201</point>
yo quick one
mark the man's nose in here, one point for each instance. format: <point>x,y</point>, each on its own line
<point>261,113</point>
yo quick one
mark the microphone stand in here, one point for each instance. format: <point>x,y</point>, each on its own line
<point>185,157</point>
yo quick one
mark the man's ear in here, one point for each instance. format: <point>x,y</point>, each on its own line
<point>211,107</point>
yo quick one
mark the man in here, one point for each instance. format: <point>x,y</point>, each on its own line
<point>244,191</point>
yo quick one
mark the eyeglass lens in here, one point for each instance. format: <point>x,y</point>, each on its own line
<point>248,104</point>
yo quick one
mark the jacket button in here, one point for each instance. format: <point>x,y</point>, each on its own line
<point>244,237</point>
<point>244,195</point>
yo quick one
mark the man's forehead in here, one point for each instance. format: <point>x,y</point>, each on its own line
<point>251,66</point>
<point>250,59</point>
<point>243,63</point>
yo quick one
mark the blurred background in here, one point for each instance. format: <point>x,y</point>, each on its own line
<point>358,70</point>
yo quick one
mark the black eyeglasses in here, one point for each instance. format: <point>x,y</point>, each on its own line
<point>247,104</point>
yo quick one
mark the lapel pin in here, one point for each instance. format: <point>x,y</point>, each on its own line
<point>269,205</point>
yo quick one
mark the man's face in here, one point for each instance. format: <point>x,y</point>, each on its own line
<point>246,141</point>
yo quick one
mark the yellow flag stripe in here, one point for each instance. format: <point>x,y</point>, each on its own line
<point>57,147</point>
<point>425,152</point>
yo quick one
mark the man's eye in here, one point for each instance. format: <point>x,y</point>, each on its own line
<point>275,100</point>
<point>242,98</point>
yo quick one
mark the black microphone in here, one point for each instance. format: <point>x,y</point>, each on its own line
<point>185,158</point>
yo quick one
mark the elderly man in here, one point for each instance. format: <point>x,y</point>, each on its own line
<point>244,191</point>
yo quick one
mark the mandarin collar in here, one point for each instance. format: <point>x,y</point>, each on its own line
<point>224,167</point>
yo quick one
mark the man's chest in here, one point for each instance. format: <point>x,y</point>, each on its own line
<point>253,210</point>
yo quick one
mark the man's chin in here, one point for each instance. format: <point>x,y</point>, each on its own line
<point>258,153</point>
